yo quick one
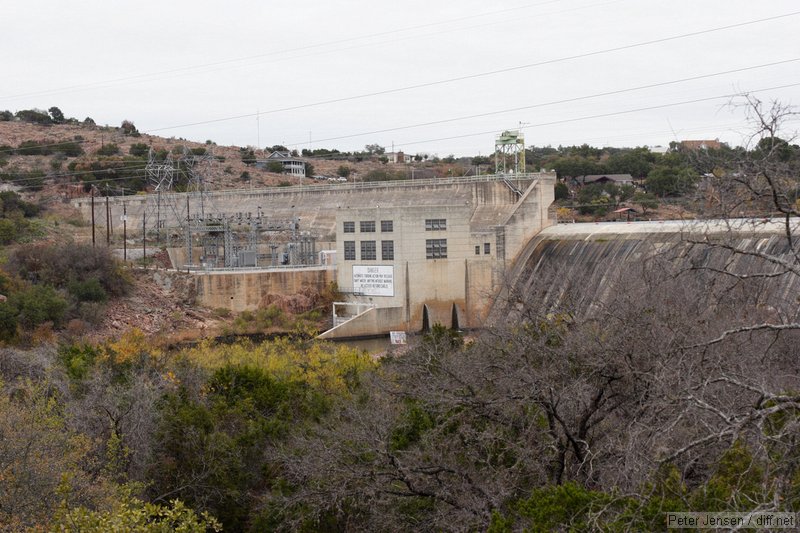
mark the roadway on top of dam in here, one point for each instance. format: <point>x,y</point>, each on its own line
<point>605,230</point>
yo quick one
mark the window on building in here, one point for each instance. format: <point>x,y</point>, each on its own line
<point>478,250</point>
<point>349,227</point>
<point>368,251</point>
<point>387,226</point>
<point>436,248</point>
<point>435,224</point>
<point>387,250</point>
<point>487,248</point>
<point>367,226</point>
<point>349,250</point>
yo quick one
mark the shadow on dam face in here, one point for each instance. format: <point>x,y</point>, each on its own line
<point>581,276</point>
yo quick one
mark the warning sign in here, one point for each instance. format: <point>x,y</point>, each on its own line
<point>373,280</point>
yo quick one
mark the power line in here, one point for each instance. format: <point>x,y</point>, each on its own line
<point>188,69</point>
<point>611,114</point>
<point>481,74</point>
<point>79,173</point>
<point>553,102</point>
<point>490,113</point>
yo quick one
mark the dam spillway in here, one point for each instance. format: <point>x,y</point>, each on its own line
<point>581,267</point>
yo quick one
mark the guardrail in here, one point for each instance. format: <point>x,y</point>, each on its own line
<point>353,186</point>
<point>198,269</point>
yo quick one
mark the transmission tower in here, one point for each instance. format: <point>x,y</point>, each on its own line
<point>162,204</point>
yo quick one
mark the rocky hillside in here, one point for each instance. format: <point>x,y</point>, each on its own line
<point>68,158</point>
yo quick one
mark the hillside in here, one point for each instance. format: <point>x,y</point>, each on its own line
<point>58,157</point>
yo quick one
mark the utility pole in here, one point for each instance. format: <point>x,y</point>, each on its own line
<point>144,238</point>
<point>108,222</point>
<point>93,237</point>
<point>124,232</point>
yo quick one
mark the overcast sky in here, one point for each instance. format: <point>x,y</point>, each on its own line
<point>167,64</point>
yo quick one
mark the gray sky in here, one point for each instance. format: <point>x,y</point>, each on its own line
<point>165,64</point>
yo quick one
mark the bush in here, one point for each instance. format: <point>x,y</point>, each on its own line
<point>562,191</point>
<point>63,264</point>
<point>129,129</point>
<point>8,231</point>
<point>248,156</point>
<point>275,166</point>
<point>34,148</point>
<point>87,291</point>
<point>37,305</point>
<point>139,150</point>
<point>6,116</point>
<point>56,115</point>
<point>11,201</point>
<point>34,181</point>
<point>108,149</point>
<point>36,116</point>
<point>77,359</point>
<point>8,322</point>
<point>343,171</point>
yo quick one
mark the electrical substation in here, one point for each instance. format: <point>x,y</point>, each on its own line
<point>213,239</point>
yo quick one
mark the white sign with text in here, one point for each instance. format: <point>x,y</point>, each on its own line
<point>373,280</point>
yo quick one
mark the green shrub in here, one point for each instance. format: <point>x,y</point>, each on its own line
<point>275,166</point>
<point>8,231</point>
<point>36,116</point>
<point>129,129</point>
<point>139,150</point>
<point>8,321</point>
<point>561,191</point>
<point>37,305</point>
<point>108,149</point>
<point>77,359</point>
<point>34,148</point>
<point>62,264</point>
<point>90,290</point>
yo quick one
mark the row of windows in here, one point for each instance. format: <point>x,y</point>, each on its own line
<point>368,251</point>
<point>434,249</point>
<point>487,248</point>
<point>387,226</point>
<point>368,226</point>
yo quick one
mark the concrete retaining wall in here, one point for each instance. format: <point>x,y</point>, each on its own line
<point>240,291</point>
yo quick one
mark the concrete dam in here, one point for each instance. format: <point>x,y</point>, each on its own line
<point>584,268</point>
<point>461,252</point>
<point>404,253</point>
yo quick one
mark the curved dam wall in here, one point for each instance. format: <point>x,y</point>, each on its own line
<point>580,268</point>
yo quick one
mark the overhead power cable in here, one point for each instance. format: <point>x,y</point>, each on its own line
<point>480,74</point>
<point>552,102</point>
<point>501,111</point>
<point>611,114</point>
<point>191,68</point>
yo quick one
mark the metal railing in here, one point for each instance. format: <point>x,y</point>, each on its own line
<point>199,269</point>
<point>352,186</point>
<point>341,319</point>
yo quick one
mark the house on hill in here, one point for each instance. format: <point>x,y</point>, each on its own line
<point>617,179</point>
<point>293,166</point>
<point>399,157</point>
